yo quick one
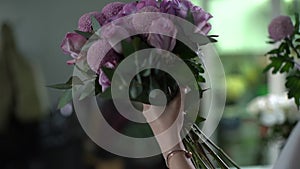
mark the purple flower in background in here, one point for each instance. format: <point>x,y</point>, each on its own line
<point>71,45</point>
<point>144,3</point>
<point>201,20</point>
<point>163,26</point>
<point>176,7</point>
<point>280,28</point>
<point>111,12</point>
<point>85,21</point>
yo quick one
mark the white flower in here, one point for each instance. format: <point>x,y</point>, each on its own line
<point>274,109</point>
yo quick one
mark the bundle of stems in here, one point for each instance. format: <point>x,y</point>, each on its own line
<point>206,154</point>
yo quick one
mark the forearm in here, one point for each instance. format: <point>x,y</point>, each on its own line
<point>179,160</point>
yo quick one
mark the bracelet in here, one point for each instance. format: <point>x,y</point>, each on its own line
<point>172,153</point>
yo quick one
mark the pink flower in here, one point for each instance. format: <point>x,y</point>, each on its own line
<point>129,8</point>
<point>71,45</point>
<point>280,28</point>
<point>176,7</point>
<point>111,12</point>
<point>101,54</point>
<point>113,34</point>
<point>164,26</point>
<point>145,3</point>
<point>85,21</point>
<point>103,81</point>
<point>201,20</point>
<point>142,22</point>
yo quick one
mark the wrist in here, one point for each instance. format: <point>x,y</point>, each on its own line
<point>178,146</point>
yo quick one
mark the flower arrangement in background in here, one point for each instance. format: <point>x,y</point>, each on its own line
<point>285,58</point>
<point>93,44</point>
<point>276,114</point>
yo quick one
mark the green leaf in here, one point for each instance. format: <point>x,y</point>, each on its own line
<point>135,89</point>
<point>271,42</point>
<point>95,23</point>
<point>73,80</point>
<point>212,40</point>
<point>61,86</point>
<point>87,35</point>
<point>89,90</point>
<point>293,86</point>
<point>282,46</point>
<point>201,39</point>
<point>183,51</point>
<point>296,31</point>
<point>276,64</point>
<point>65,99</point>
<point>287,67</point>
<point>127,48</point>
<point>108,72</point>
<point>106,94</point>
<point>274,51</point>
<point>199,119</point>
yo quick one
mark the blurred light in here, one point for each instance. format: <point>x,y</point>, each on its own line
<point>288,1</point>
<point>67,110</point>
<point>241,25</point>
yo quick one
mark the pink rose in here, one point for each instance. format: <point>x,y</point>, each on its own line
<point>85,21</point>
<point>164,26</point>
<point>129,8</point>
<point>71,45</point>
<point>176,7</point>
<point>145,3</point>
<point>141,22</point>
<point>101,54</point>
<point>280,28</point>
<point>113,34</point>
<point>201,20</point>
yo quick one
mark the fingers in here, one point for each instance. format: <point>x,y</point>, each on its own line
<point>178,102</point>
<point>175,107</point>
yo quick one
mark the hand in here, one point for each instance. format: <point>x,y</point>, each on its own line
<point>160,121</point>
<point>166,122</point>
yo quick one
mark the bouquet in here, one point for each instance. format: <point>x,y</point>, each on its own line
<point>135,51</point>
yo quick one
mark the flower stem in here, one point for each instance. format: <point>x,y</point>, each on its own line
<point>290,42</point>
<point>216,147</point>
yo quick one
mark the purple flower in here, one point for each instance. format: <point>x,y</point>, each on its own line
<point>141,22</point>
<point>176,7</point>
<point>103,81</point>
<point>280,28</point>
<point>85,22</point>
<point>201,20</point>
<point>101,54</point>
<point>166,27</point>
<point>111,12</point>
<point>71,45</point>
<point>113,34</point>
<point>145,3</point>
<point>129,8</point>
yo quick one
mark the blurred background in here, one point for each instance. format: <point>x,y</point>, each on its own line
<point>35,134</point>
